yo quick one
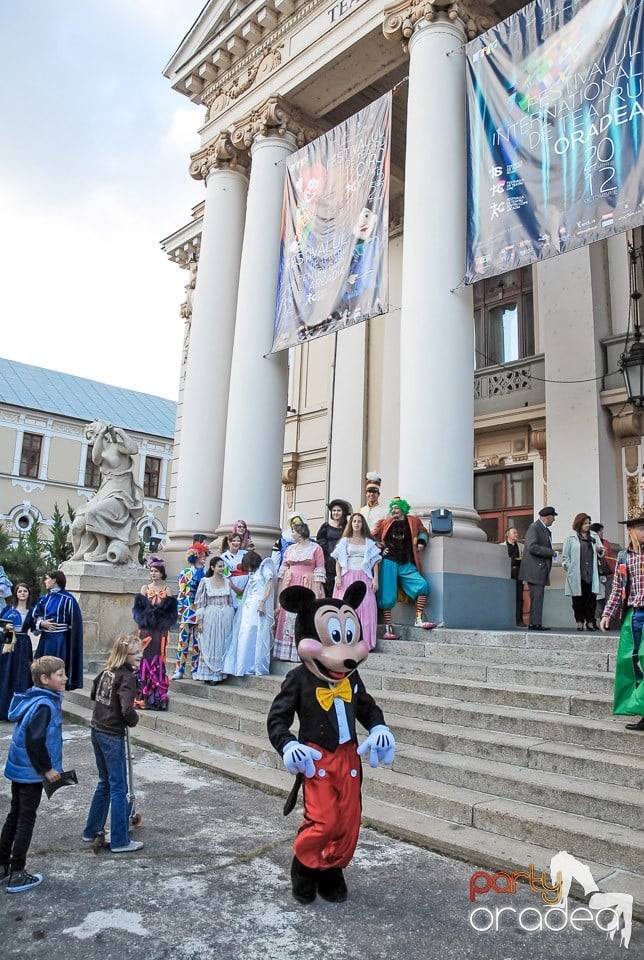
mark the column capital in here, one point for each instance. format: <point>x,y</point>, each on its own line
<point>274,117</point>
<point>220,154</point>
<point>402,17</point>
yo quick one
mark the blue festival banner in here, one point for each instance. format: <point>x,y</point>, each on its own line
<point>555,124</point>
<point>333,269</point>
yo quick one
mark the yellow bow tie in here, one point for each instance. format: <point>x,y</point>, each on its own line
<point>326,695</point>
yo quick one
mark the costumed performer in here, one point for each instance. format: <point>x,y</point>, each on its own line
<point>249,653</point>
<point>327,695</point>
<point>401,537</point>
<point>373,510</point>
<point>214,611</point>
<point>232,557</point>
<point>16,654</point>
<point>154,612</point>
<point>328,537</point>
<point>302,566</point>
<point>286,539</point>
<point>56,616</point>
<point>189,580</point>
<point>358,558</point>
<point>627,597</point>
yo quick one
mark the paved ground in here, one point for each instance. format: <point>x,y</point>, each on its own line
<point>212,882</point>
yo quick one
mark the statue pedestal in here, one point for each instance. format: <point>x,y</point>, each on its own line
<point>105,593</point>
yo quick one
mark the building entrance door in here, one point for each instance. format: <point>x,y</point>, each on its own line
<point>503,499</point>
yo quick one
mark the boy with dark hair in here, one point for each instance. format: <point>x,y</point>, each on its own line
<point>35,754</point>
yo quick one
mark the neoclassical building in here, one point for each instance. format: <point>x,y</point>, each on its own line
<point>489,399</point>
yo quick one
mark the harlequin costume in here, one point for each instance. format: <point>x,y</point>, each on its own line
<point>327,695</point>
<point>400,538</point>
<point>189,580</point>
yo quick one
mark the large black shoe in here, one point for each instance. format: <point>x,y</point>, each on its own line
<point>537,626</point>
<point>636,726</point>
<point>303,882</point>
<point>331,885</point>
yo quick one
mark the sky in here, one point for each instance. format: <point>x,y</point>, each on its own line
<point>93,174</point>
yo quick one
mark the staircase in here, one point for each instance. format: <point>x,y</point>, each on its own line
<point>507,749</point>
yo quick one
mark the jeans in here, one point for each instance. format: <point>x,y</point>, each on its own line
<point>109,751</point>
<point>19,825</point>
<point>636,626</point>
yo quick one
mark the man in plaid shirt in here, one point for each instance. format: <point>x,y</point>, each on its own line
<point>628,595</point>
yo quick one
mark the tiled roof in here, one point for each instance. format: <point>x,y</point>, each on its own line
<point>67,396</point>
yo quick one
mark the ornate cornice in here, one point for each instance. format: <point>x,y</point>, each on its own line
<point>401,16</point>
<point>275,117</point>
<point>220,154</point>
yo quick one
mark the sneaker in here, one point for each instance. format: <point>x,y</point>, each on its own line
<point>21,880</point>
<point>389,634</point>
<point>425,624</point>
<point>177,675</point>
<point>132,847</point>
<point>106,838</point>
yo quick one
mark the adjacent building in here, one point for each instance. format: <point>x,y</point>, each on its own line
<point>44,451</point>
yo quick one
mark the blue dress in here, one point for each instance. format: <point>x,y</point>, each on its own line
<point>15,661</point>
<point>66,641</point>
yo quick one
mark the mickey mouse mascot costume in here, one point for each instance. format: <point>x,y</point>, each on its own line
<point>328,696</point>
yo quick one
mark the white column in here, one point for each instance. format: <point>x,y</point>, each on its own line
<point>437,348</point>
<point>205,398</point>
<point>258,383</point>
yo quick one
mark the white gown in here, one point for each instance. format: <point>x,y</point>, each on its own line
<point>249,652</point>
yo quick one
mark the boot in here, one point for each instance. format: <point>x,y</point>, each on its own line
<point>636,726</point>
<point>303,882</point>
<point>331,885</point>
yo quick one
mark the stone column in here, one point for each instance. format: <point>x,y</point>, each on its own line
<point>437,337</point>
<point>252,477</point>
<point>205,398</point>
<point>437,345</point>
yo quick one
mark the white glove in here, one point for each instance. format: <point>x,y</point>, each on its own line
<point>381,743</point>
<point>298,758</point>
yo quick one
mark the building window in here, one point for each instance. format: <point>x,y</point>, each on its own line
<point>503,319</point>
<point>92,473</point>
<point>30,456</point>
<point>151,477</point>
<point>503,499</point>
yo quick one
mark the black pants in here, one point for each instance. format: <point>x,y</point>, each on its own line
<point>519,601</point>
<point>584,606</point>
<point>19,825</point>
<point>536,603</point>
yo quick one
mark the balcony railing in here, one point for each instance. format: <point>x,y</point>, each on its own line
<point>510,385</point>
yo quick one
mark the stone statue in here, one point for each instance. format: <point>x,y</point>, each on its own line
<point>104,529</point>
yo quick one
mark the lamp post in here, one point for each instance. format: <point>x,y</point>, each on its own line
<point>631,362</point>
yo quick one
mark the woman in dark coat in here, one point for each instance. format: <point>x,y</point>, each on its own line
<point>154,611</point>
<point>329,535</point>
<point>16,655</point>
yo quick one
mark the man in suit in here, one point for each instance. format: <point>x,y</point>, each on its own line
<point>537,562</point>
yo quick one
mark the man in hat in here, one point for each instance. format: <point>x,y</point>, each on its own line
<point>627,595</point>
<point>401,538</point>
<point>189,580</point>
<point>372,511</point>
<point>536,564</point>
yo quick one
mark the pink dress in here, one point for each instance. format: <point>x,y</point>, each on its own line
<point>357,562</point>
<point>302,566</point>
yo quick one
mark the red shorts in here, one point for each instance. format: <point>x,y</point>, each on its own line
<point>328,835</point>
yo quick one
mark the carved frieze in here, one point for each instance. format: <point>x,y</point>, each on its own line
<point>264,65</point>
<point>402,16</point>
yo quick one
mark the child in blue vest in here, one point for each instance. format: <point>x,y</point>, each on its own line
<point>35,754</point>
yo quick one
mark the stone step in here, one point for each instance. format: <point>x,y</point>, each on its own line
<point>603,801</point>
<point>516,656</point>
<point>586,641</point>
<point>532,835</point>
